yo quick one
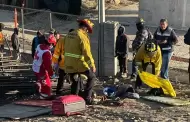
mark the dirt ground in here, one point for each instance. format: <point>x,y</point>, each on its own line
<point>130,111</point>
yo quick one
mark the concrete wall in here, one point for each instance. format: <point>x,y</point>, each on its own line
<point>176,11</point>
<point>110,62</point>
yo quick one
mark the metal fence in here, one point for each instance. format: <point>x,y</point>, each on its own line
<point>31,20</point>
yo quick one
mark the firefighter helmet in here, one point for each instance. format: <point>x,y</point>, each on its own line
<point>50,38</point>
<point>150,48</point>
<point>88,23</point>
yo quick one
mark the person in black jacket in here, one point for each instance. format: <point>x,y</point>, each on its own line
<point>36,41</point>
<point>166,39</point>
<point>142,35</point>
<point>16,43</point>
<point>121,50</point>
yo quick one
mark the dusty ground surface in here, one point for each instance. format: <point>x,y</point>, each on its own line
<point>132,110</point>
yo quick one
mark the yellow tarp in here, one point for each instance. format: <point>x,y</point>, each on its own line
<point>154,81</point>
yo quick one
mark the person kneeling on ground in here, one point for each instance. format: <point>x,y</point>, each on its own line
<point>122,50</point>
<point>149,53</point>
<point>42,66</point>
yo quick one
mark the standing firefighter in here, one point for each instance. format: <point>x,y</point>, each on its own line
<point>142,35</point>
<point>78,57</point>
<point>166,38</point>
<point>42,65</point>
<point>122,50</point>
<point>2,39</point>
<point>58,61</point>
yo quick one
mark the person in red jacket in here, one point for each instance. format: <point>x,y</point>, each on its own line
<point>42,65</point>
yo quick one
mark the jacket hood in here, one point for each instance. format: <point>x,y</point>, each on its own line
<point>121,30</point>
<point>16,31</point>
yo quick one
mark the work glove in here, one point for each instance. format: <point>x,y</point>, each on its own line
<point>55,66</point>
<point>139,66</point>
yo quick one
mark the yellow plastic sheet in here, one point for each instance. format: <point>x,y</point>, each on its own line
<point>154,81</point>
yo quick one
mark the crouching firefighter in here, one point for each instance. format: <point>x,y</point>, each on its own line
<point>42,66</point>
<point>78,57</point>
<point>149,53</point>
<point>122,50</point>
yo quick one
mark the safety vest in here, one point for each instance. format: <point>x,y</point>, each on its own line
<point>166,35</point>
<point>1,38</point>
<point>38,59</point>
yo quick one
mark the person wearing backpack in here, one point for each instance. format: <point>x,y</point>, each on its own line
<point>122,50</point>
<point>142,35</point>
<point>16,43</point>
<point>2,39</point>
<point>166,39</point>
<point>36,42</point>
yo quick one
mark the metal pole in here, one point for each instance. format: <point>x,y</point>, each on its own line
<point>50,20</point>
<point>101,19</point>
<point>22,15</point>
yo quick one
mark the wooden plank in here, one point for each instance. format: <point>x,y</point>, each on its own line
<point>23,65</point>
<point>15,70</point>
<point>3,61</point>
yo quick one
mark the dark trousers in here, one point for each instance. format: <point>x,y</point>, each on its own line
<point>1,48</point>
<point>122,64</point>
<point>144,67</point>
<point>89,86</point>
<point>60,80</point>
<point>134,69</point>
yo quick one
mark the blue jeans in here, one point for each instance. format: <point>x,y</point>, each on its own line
<point>166,57</point>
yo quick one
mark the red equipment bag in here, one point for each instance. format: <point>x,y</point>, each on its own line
<point>68,105</point>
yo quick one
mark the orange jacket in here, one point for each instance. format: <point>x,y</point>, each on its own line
<point>58,56</point>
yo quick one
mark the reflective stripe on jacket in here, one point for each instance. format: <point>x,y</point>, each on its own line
<point>78,56</point>
<point>168,35</point>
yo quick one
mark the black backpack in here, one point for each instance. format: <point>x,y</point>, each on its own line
<point>187,37</point>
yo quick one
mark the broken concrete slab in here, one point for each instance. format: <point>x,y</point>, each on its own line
<point>16,112</point>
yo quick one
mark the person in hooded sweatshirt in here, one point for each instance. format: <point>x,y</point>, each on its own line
<point>16,43</point>
<point>122,50</point>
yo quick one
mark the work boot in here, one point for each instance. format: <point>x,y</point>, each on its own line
<point>124,75</point>
<point>89,102</point>
<point>133,77</point>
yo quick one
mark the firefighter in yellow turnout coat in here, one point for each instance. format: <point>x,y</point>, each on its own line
<point>149,53</point>
<point>78,57</point>
<point>58,61</point>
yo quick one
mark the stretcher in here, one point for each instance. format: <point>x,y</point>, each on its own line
<point>154,81</point>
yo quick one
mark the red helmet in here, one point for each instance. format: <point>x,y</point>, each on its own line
<point>51,39</point>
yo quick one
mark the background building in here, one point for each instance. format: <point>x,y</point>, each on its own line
<point>176,11</point>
